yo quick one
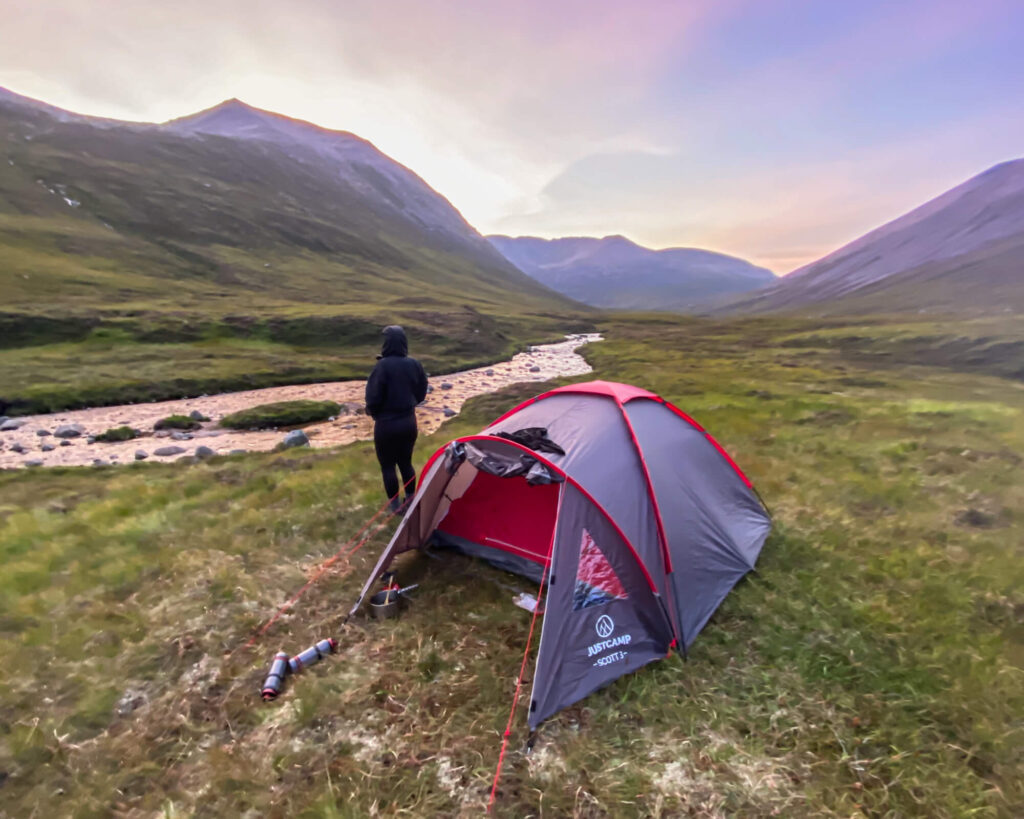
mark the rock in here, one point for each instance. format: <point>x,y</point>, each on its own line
<point>350,408</point>
<point>204,452</point>
<point>208,433</point>
<point>33,462</point>
<point>488,372</point>
<point>166,451</point>
<point>162,433</point>
<point>16,447</point>
<point>445,385</point>
<point>65,442</point>
<point>448,412</point>
<point>141,454</point>
<point>42,433</point>
<point>237,452</point>
<point>69,431</point>
<point>98,462</point>
<point>181,436</point>
<point>91,439</point>
<point>534,369</point>
<point>294,438</point>
<point>430,388</point>
<point>11,424</point>
<point>48,447</point>
<point>196,415</point>
<point>349,426</point>
<point>333,418</point>
<point>130,700</point>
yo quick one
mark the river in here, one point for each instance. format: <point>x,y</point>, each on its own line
<point>541,363</point>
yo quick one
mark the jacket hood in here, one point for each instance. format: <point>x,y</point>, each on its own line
<point>395,342</point>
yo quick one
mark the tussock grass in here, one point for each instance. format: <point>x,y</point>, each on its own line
<point>281,414</point>
<point>122,433</point>
<point>177,422</point>
<point>873,664</point>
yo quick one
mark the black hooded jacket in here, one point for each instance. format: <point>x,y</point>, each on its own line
<point>398,383</point>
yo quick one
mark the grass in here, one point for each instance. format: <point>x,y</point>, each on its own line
<point>281,414</point>
<point>122,433</point>
<point>177,422</point>
<point>872,665</point>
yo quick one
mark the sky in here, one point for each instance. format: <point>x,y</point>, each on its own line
<point>773,130</point>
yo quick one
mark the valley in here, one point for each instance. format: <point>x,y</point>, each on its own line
<point>871,664</point>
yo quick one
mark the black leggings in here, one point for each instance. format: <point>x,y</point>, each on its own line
<point>394,439</point>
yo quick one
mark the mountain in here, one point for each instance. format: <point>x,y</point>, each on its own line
<point>963,252</point>
<point>615,272</point>
<point>233,209</point>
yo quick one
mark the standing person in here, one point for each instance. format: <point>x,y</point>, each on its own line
<point>394,388</point>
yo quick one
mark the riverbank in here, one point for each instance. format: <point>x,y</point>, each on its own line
<point>450,392</point>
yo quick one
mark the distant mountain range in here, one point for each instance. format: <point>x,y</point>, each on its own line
<point>617,273</point>
<point>230,210</point>
<point>961,252</point>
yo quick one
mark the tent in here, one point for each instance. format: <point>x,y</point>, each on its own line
<point>634,517</point>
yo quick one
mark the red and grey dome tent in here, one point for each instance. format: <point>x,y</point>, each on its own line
<point>642,525</point>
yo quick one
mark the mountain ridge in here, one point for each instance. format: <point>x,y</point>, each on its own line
<point>974,229</point>
<point>615,272</point>
<point>235,176</point>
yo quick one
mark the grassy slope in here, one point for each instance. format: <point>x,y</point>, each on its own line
<point>177,242</point>
<point>872,664</point>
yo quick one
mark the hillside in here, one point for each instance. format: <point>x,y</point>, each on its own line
<point>243,224</point>
<point>617,273</point>
<point>961,252</point>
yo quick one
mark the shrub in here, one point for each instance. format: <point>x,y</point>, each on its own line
<point>176,422</point>
<point>117,434</point>
<point>281,414</point>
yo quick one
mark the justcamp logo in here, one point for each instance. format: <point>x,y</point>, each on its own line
<point>604,628</point>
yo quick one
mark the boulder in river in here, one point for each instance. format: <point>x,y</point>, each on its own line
<point>204,452</point>
<point>167,451</point>
<point>65,442</point>
<point>11,424</point>
<point>141,454</point>
<point>47,447</point>
<point>489,372</point>
<point>42,433</point>
<point>196,415</point>
<point>445,385</point>
<point>16,447</point>
<point>534,369</point>
<point>33,462</point>
<point>181,436</point>
<point>449,412</point>
<point>294,438</point>
<point>69,431</point>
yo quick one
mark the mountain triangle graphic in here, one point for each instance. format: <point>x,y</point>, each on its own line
<point>596,581</point>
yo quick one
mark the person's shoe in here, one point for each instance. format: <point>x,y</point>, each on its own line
<point>395,506</point>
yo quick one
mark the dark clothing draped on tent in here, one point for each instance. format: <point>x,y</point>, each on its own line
<point>394,388</point>
<point>638,518</point>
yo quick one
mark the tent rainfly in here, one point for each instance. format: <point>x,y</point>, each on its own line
<point>640,520</point>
